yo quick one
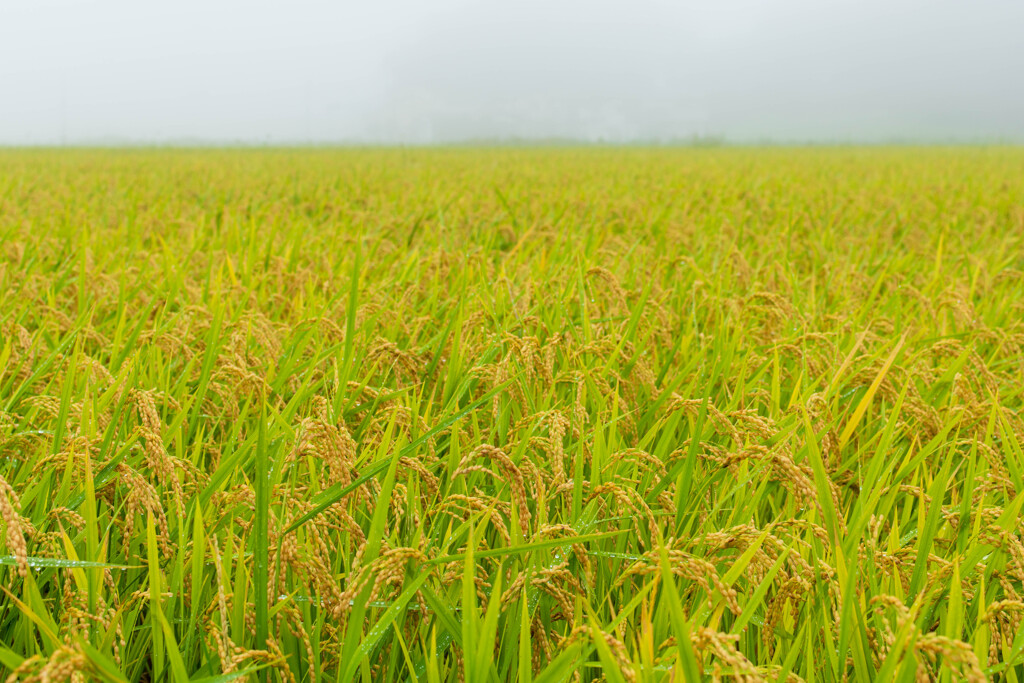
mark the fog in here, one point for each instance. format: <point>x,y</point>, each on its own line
<point>427,72</point>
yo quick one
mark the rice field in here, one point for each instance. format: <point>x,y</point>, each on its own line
<point>490,415</point>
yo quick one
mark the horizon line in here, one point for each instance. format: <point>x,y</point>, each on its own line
<point>524,143</point>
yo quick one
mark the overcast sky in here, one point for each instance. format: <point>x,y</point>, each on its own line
<point>431,71</point>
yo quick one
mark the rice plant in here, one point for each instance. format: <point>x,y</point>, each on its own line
<point>493,415</point>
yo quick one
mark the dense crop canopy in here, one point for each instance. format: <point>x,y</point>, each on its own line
<point>489,415</point>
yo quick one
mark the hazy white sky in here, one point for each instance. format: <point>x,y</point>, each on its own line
<point>422,71</point>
